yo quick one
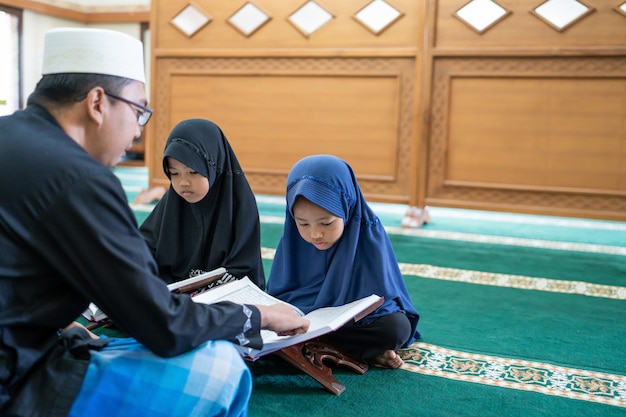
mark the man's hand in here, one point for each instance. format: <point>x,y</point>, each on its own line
<point>282,319</point>
<point>77,324</point>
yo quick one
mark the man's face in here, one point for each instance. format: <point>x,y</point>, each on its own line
<point>120,126</point>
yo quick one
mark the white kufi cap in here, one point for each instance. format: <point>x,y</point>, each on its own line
<point>93,51</point>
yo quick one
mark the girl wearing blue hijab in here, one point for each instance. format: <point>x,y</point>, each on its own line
<point>334,250</point>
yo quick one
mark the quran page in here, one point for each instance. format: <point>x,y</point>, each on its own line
<point>322,321</point>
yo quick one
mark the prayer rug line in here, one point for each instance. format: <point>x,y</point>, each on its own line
<point>514,281</point>
<point>490,239</point>
<point>427,359</point>
<point>495,217</point>
<point>502,280</point>
<point>511,241</point>
<point>530,219</point>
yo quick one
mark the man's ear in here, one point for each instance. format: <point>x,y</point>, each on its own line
<point>96,105</point>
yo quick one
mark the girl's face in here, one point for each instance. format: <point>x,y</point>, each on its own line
<point>316,225</point>
<point>189,184</point>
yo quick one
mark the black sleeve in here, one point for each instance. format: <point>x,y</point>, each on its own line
<point>91,240</point>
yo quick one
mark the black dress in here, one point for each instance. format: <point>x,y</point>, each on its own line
<point>223,229</point>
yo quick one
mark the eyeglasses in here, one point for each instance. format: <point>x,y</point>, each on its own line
<point>143,117</point>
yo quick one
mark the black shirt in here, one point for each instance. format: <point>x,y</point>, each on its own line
<point>68,237</point>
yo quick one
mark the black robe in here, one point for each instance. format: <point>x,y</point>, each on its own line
<point>68,237</point>
<point>221,230</point>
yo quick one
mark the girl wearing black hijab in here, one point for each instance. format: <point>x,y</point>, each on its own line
<point>208,218</point>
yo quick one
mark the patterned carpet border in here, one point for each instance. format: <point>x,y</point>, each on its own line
<point>514,281</point>
<point>502,280</point>
<point>427,359</point>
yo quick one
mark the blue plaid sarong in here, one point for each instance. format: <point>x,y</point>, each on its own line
<point>125,379</point>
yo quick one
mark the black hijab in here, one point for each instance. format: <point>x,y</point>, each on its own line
<point>221,230</point>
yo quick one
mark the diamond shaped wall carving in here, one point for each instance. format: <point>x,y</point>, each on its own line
<point>481,15</point>
<point>562,14</point>
<point>309,18</point>
<point>248,19</point>
<point>377,16</point>
<point>190,20</point>
<point>621,9</point>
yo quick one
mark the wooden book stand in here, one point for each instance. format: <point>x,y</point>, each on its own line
<point>310,356</point>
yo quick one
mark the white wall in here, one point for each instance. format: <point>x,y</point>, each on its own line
<point>35,26</point>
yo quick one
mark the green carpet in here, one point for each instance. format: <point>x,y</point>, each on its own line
<point>521,316</point>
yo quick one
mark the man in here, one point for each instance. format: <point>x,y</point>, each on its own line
<point>68,237</point>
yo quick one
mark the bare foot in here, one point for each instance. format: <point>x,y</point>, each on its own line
<point>388,359</point>
<point>150,195</point>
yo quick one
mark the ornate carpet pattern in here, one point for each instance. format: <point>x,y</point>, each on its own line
<point>502,280</point>
<point>515,281</point>
<point>544,378</point>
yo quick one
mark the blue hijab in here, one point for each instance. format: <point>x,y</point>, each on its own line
<point>360,263</point>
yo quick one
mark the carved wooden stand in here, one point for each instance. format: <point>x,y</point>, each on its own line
<point>310,356</point>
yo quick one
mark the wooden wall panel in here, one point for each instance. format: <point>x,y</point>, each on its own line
<point>521,117</point>
<point>280,95</point>
<point>276,111</point>
<point>527,118</point>
<point>537,132</point>
<point>355,117</point>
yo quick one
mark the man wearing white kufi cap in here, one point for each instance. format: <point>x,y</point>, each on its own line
<point>68,237</point>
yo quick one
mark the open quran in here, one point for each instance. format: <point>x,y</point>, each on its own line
<point>322,321</point>
<point>304,351</point>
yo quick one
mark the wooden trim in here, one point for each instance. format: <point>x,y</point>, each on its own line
<point>77,15</point>
<point>47,9</point>
<point>286,52</point>
<point>423,86</point>
<point>533,188</point>
<point>425,100</point>
<point>15,12</point>
<point>529,51</point>
<point>118,17</point>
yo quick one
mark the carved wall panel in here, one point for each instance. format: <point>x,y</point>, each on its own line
<point>529,134</point>
<point>525,106</point>
<point>289,79</point>
<point>275,111</point>
<point>488,104</point>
